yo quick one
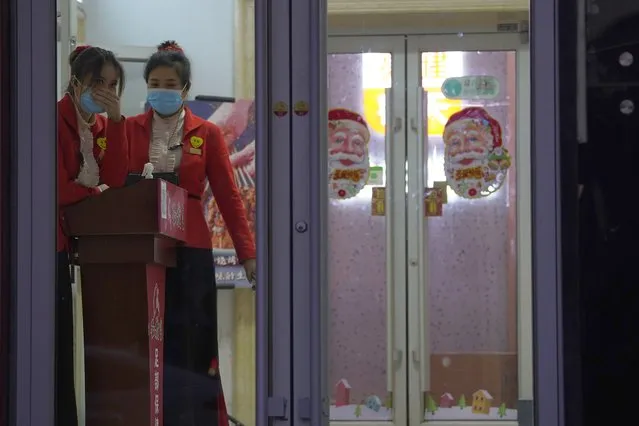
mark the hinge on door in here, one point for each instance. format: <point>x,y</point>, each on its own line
<point>397,125</point>
<point>521,27</point>
<point>424,401</point>
<point>304,408</point>
<point>276,407</point>
<point>524,32</point>
<point>525,413</point>
<point>508,27</point>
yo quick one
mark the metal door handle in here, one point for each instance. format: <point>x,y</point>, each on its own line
<point>388,208</point>
<point>424,325</point>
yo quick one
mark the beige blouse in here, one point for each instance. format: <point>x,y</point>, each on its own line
<point>89,175</point>
<point>165,151</point>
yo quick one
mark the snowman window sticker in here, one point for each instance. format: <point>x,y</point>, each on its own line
<point>348,162</point>
<point>475,159</point>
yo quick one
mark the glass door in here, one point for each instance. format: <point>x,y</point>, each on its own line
<point>367,232</point>
<point>468,230</point>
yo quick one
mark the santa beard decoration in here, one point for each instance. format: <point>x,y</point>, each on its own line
<point>348,161</point>
<point>475,160</point>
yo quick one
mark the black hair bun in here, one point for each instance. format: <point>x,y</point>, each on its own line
<point>170,46</point>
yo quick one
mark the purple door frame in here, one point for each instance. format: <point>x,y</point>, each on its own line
<point>546,214</point>
<point>310,192</point>
<point>33,210</point>
<point>273,221</point>
<point>5,282</point>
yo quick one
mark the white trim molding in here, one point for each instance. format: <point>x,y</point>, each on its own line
<point>421,6</point>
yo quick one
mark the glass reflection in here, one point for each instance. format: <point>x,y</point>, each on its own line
<point>132,346</point>
<point>471,251</point>
<point>361,385</point>
<point>85,169</point>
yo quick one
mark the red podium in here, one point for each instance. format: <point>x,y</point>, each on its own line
<point>126,239</point>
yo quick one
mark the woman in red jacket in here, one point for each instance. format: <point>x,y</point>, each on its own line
<point>92,156</point>
<point>172,139</point>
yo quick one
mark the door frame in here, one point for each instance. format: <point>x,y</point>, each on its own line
<point>396,321</point>
<point>515,42</point>
<point>406,52</point>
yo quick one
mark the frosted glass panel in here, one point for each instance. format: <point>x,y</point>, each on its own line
<point>471,258</point>
<point>357,243</point>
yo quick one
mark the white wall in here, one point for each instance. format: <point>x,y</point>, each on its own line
<point>204,28</point>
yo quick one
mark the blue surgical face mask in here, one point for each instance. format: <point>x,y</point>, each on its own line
<point>165,101</point>
<point>88,104</point>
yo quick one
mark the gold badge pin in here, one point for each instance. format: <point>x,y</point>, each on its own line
<point>102,143</point>
<point>196,142</point>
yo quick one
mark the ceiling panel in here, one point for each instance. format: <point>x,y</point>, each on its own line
<point>424,6</point>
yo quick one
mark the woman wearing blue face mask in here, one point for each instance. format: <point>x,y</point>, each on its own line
<point>92,156</point>
<point>174,140</point>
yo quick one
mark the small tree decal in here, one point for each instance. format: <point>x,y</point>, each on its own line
<point>431,406</point>
<point>389,401</point>
<point>502,410</point>
<point>462,402</point>
<point>358,410</point>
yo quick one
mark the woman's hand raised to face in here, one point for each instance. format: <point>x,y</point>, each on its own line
<point>110,101</point>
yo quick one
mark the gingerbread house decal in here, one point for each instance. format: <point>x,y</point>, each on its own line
<point>482,401</point>
<point>446,400</point>
<point>342,393</point>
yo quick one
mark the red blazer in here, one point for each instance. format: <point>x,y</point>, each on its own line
<point>113,160</point>
<point>210,160</point>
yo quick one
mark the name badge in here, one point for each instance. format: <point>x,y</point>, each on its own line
<point>195,151</point>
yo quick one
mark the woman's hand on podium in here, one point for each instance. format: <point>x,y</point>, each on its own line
<point>250,268</point>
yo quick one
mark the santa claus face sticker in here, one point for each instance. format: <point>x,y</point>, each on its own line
<point>475,159</point>
<point>348,164</point>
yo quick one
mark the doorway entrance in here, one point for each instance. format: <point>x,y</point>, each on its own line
<point>429,267</point>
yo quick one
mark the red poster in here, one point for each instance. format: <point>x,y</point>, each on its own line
<point>237,123</point>
<point>155,308</point>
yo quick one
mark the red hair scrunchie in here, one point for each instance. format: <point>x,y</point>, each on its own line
<point>81,49</point>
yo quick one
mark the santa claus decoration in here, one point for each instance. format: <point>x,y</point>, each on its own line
<point>348,162</point>
<point>475,159</point>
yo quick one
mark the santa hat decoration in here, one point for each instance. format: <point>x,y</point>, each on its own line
<point>494,166</point>
<point>482,118</point>
<point>350,119</point>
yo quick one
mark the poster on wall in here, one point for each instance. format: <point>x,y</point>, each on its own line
<point>475,159</point>
<point>348,161</point>
<point>236,120</point>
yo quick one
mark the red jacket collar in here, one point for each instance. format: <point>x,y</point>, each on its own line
<point>191,121</point>
<point>69,113</point>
